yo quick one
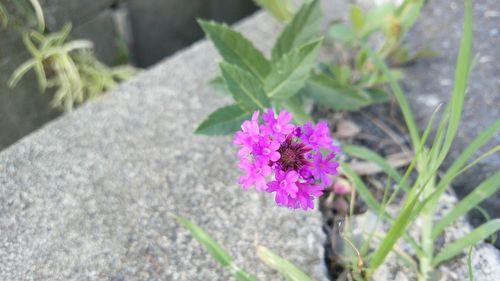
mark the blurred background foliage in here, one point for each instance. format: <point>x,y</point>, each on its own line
<point>73,50</point>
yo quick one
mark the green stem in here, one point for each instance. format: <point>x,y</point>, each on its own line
<point>428,212</point>
<point>296,107</point>
<point>425,260</point>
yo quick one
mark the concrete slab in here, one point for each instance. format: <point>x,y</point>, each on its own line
<point>89,195</point>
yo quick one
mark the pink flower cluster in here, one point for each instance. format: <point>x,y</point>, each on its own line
<point>295,162</point>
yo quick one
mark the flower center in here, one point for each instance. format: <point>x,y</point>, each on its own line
<point>288,157</point>
<point>266,151</point>
<point>293,155</point>
<point>258,171</point>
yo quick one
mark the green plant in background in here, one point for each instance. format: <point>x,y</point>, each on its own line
<point>4,17</point>
<point>256,82</point>
<point>389,21</point>
<point>291,75</point>
<point>351,80</point>
<point>68,66</point>
<point>25,13</point>
<point>282,10</point>
<point>250,82</point>
<point>422,199</point>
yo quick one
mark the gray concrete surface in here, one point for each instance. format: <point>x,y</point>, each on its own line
<point>88,196</point>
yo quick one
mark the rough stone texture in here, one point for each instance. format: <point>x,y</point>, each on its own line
<point>88,196</point>
<point>430,82</point>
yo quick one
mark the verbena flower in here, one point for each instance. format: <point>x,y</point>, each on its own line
<point>294,162</point>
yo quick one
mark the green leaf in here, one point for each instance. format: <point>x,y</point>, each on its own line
<point>377,95</point>
<point>304,27</point>
<point>289,73</point>
<point>224,121</point>
<point>376,18</point>
<point>408,13</point>
<point>472,238</point>
<point>245,88</point>
<point>217,252</point>
<point>219,85</point>
<point>284,267</point>
<point>357,17</point>
<point>476,196</point>
<point>236,49</point>
<point>342,33</point>
<point>295,106</point>
<point>326,91</point>
<point>282,10</point>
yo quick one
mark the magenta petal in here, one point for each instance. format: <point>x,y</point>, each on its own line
<point>292,177</point>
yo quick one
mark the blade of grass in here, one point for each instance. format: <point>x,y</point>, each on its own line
<point>439,137</point>
<point>487,217</point>
<point>456,166</point>
<point>404,256</point>
<point>217,252</point>
<point>419,155</point>
<point>469,263</point>
<point>367,242</point>
<point>284,267</point>
<point>397,230</point>
<point>363,191</point>
<point>479,159</point>
<point>366,154</point>
<point>472,238</point>
<point>476,196</point>
<point>398,93</point>
<point>462,72</point>
<point>367,196</point>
